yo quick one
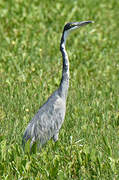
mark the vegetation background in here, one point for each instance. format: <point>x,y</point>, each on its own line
<point>30,70</point>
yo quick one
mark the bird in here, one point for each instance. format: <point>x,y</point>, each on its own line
<point>47,122</point>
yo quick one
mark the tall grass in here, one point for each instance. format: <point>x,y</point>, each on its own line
<point>30,70</point>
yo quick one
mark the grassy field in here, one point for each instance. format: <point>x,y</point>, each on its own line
<point>30,70</point>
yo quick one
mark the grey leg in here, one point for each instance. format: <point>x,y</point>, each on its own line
<point>55,137</point>
<point>32,142</point>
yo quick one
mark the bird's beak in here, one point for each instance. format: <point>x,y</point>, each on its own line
<point>82,23</point>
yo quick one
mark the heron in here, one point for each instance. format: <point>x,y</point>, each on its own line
<point>47,122</point>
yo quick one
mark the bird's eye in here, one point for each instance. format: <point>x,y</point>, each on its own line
<point>71,25</point>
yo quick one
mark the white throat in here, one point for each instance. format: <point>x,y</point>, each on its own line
<point>66,33</point>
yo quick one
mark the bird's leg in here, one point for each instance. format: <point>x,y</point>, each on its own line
<point>39,146</point>
<point>55,137</point>
<point>32,142</point>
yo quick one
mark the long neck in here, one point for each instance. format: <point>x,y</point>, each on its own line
<point>64,84</point>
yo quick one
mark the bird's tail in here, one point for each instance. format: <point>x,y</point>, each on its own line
<point>25,139</point>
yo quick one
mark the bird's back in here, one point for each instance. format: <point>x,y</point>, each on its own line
<point>48,120</point>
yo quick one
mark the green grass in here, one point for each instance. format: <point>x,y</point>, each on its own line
<point>30,70</point>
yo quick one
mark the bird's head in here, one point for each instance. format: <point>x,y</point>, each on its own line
<point>70,27</point>
<point>75,25</point>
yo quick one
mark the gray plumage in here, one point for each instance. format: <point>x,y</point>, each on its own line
<point>48,120</point>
